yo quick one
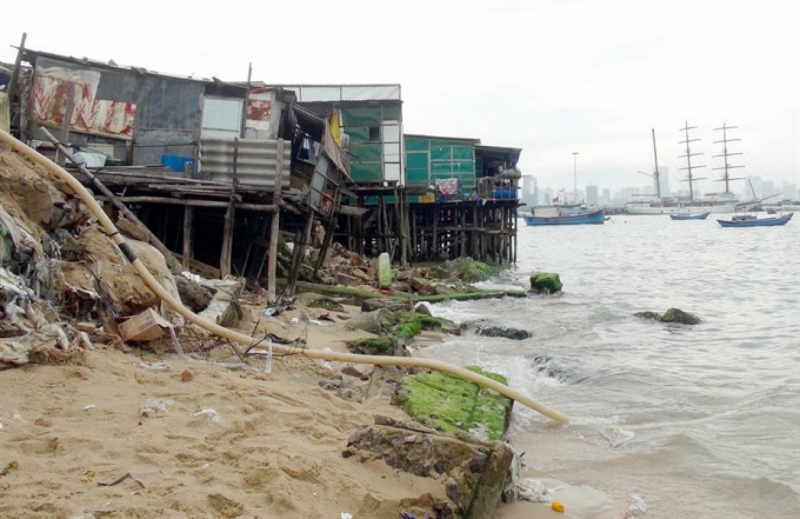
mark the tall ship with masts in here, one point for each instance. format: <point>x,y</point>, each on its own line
<point>723,202</point>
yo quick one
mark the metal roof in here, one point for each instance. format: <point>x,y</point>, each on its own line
<point>30,55</point>
<point>476,142</point>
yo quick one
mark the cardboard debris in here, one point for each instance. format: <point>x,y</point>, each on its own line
<point>144,327</point>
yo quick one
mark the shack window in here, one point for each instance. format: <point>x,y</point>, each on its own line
<point>374,133</point>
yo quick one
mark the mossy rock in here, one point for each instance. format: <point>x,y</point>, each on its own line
<point>406,325</point>
<point>326,303</point>
<point>451,404</point>
<point>377,346</point>
<point>545,282</point>
<point>470,270</point>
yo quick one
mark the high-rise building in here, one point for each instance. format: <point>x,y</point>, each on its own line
<point>789,191</point>
<point>547,197</point>
<point>606,198</point>
<point>591,195</point>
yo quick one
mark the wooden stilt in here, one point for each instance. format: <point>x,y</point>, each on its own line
<point>70,107</point>
<point>188,223</point>
<point>300,253</point>
<point>230,215</point>
<point>274,236</point>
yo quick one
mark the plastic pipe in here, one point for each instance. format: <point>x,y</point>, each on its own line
<point>375,360</point>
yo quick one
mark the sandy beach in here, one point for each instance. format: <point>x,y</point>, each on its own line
<point>194,438</point>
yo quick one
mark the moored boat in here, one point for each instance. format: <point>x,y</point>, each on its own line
<point>689,216</point>
<point>749,220</point>
<point>596,216</point>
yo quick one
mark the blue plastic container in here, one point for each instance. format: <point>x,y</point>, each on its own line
<point>178,163</point>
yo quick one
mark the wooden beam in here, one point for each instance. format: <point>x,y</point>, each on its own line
<point>12,86</point>
<point>151,238</point>
<point>259,208</point>
<point>70,107</point>
<point>188,221</point>
<point>272,264</point>
<point>230,216</point>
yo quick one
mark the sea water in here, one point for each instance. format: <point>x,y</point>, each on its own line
<point>680,421</point>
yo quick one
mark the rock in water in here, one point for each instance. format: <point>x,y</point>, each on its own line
<point>545,282</point>
<point>675,315</point>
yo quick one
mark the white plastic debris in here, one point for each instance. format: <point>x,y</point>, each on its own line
<point>155,407</point>
<point>346,515</point>
<point>89,408</point>
<point>210,414</point>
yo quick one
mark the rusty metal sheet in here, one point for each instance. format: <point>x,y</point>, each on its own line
<point>91,115</point>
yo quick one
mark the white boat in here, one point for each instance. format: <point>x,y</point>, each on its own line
<point>725,202</point>
<point>792,206</point>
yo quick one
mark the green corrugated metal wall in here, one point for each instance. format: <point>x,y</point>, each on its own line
<point>430,159</point>
<point>367,157</point>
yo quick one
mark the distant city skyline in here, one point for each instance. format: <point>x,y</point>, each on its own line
<point>532,193</point>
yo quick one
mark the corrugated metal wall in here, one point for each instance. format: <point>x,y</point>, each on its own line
<point>375,140</point>
<point>431,159</point>
<point>256,163</point>
<point>167,114</point>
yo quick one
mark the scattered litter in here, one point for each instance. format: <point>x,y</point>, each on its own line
<point>317,322</point>
<point>86,342</point>
<point>325,363</point>
<point>155,408</point>
<point>154,366</point>
<point>122,478</point>
<point>210,414</point>
<point>89,408</point>
<point>144,327</point>
<point>268,363</point>
<point>192,277</point>
<point>534,491</point>
<point>12,465</point>
<point>346,515</point>
<point>274,311</point>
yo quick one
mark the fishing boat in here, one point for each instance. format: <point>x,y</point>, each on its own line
<point>750,220</point>
<point>559,217</point>
<point>689,216</point>
<point>724,202</point>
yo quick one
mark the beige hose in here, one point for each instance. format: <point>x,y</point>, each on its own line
<point>226,333</point>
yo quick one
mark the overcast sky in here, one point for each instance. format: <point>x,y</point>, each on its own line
<point>550,77</point>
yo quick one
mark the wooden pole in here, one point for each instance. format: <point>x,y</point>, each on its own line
<point>12,86</point>
<point>243,128</point>
<point>151,238</point>
<point>188,222</point>
<point>300,253</point>
<point>70,107</point>
<point>230,215</point>
<point>274,236</point>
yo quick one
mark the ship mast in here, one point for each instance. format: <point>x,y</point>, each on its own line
<point>725,153</point>
<point>689,178</point>
<point>656,175</point>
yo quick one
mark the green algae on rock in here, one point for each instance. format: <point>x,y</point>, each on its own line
<point>450,404</point>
